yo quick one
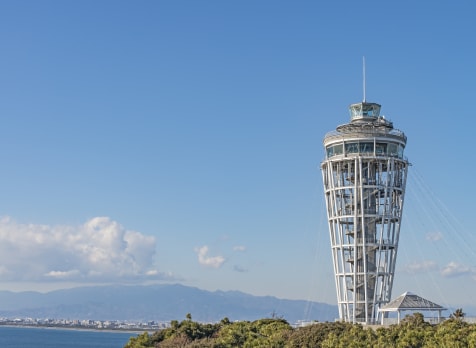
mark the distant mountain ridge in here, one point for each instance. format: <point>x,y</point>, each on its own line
<point>159,303</point>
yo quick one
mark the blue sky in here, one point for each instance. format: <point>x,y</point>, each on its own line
<point>180,141</point>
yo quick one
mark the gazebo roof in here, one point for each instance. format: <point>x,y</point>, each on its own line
<point>410,302</point>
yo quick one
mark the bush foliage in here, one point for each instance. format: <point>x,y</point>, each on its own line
<point>412,332</point>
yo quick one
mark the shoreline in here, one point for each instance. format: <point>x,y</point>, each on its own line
<point>77,328</point>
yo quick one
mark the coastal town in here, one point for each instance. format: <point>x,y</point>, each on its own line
<point>86,324</point>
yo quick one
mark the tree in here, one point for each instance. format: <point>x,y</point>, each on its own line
<point>354,336</point>
<point>270,333</point>
<point>174,324</point>
<point>453,332</point>
<point>414,331</point>
<point>417,319</point>
<point>141,341</point>
<point>314,335</point>
<point>233,335</point>
<point>458,314</point>
<point>225,321</point>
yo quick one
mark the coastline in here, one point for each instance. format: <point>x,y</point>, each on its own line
<point>77,328</point>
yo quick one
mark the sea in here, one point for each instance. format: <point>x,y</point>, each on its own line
<point>23,337</point>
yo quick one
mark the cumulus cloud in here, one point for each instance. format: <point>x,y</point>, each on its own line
<point>239,248</point>
<point>101,250</point>
<point>421,267</point>
<point>454,269</point>
<point>208,261</point>
<point>63,274</point>
<point>434,236</point>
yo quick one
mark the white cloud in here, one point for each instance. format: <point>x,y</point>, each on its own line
<point>454,269</point>
<point>239,248</point>
<point>421,267</point>
<point>208,261</point>
<point>63,275</point>
<point>101,250</point>
<point>434,236</point>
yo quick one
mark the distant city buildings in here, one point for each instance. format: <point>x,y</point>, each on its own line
<point>86,324</point>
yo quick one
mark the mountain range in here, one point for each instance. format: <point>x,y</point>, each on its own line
<point>159,303</point>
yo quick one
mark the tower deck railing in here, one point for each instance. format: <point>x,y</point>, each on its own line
<point>394,133</point>
<point>367,154</point>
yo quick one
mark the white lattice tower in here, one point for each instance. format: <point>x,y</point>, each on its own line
<point>364,175</point>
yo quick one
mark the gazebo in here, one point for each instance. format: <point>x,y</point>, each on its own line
<point>410,302</point>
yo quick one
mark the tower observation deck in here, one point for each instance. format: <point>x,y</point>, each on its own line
<point>364,175</point>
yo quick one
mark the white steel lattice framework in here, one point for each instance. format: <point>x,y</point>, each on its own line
<point>364,177</point>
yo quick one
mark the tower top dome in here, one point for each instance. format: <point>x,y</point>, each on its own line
<point>364,111</point>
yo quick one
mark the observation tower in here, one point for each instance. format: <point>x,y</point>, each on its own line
<point>364,175</point>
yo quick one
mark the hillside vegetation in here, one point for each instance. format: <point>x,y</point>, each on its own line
<point>412,332</point>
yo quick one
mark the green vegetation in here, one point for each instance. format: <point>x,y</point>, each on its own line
<point>412,332</point>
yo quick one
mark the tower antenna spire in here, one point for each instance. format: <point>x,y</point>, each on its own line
<point>363,75</point>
